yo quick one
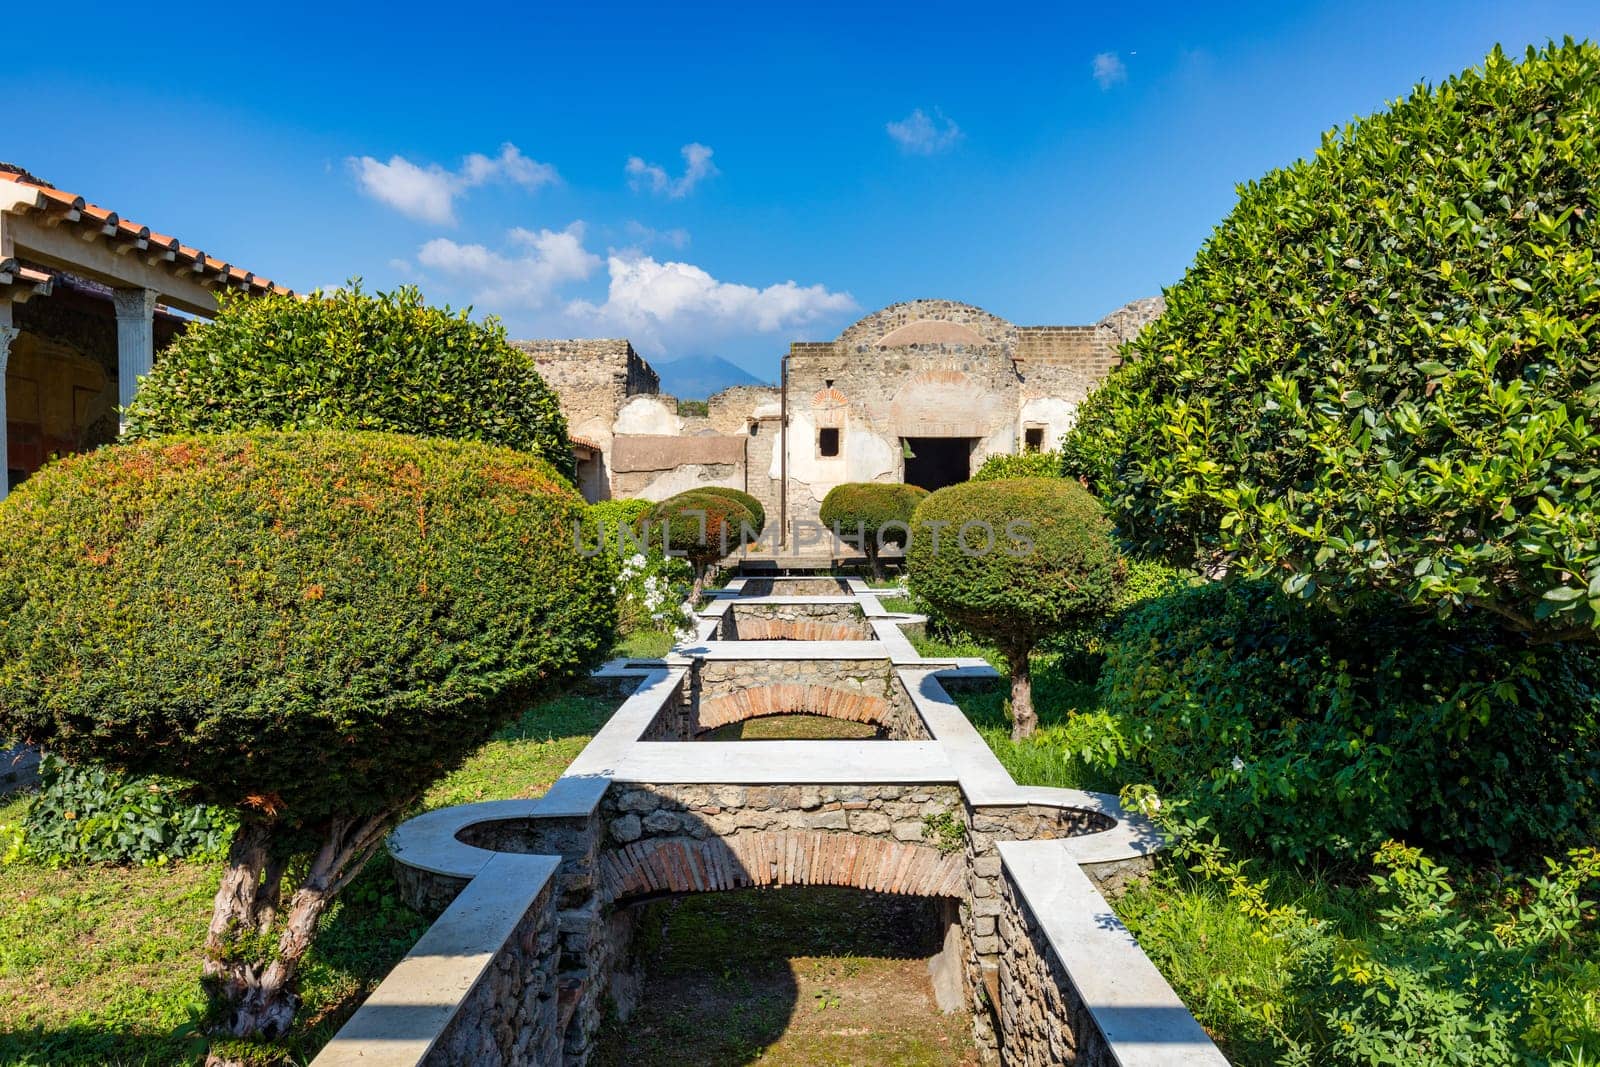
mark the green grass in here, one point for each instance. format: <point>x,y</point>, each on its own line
<point>100,965</point>
<point>643,644</point>
<point>794,728</point>
<point>805,977</point>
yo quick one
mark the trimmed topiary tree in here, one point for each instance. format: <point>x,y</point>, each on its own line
<point>349,360</point>
<point>1014,562</point>
<point>702,527</point>
<point>751,504</point>
<point>307,628</point>
<point>1020,465</point>
<point>1380,373</point>
<point>874,513</point>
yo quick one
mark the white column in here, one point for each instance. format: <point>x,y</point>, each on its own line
<point>8,333</point>
<point>136,340</point>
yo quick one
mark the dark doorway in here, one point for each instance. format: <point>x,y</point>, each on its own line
<point>935,462</point>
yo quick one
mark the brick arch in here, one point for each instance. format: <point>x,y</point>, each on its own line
<point>792,699</point>
<point>779,858</point>
<point>759,629</point>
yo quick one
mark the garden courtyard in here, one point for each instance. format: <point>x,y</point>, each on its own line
<point>1254,719</point>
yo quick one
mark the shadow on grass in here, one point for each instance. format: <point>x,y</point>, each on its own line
<point>729,975</point>
<point>99,1045</point>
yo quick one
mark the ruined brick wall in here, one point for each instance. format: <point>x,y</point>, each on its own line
<point>835,622</point>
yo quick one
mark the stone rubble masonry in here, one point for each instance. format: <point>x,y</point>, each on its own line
<point>794,622</point>
<point>1043,1020</point>
<point>816,687</point>
<point>512,1015</point>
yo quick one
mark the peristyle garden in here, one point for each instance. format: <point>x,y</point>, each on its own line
<point>1314,584</point>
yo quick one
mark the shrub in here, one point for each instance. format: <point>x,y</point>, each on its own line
<point>874,513</point>
<point>92,815</point>
<point>608,519</point>
<point>349,360</point>
<point>1021,465</point>
<point>1406,970</point>
<point>1049,564</point>
<point>1380,372</point>
<point>1083,646</point>
<point>750,503</point>
<point>701,526</point>
<point>1318,735</point>
<point>307,629</point>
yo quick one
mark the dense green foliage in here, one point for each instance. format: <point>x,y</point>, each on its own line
<point>300,625</point>
<point>1083,645</point>
<point>751,504</point>
<point>1380,371</point>
<point>1311,734</point>
<point>872,514</point>
<point>349,360</point>
<point>1020,465</point>
<point>1413,969</point>
<point>608,518</point>
<point>1051,563</point>
<point>1014,562</point>
<point>875,511</point>
<point>91,815</point>
<point>701,526</point>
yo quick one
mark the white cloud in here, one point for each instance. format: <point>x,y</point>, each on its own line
<point>642,236</point>
<point>1109,69</point>
<point>428,193</point>
<point>921,135</point>
<point>540,262</point>
<point>657,303</point>
<point>653,178</point>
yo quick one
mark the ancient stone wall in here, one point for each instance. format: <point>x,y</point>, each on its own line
<point>1042,1021</point>
<point>720,692</point>
<point>804,622</point>
<point>983,904</point>
<point>512,1014</point>
<point>696,838</point>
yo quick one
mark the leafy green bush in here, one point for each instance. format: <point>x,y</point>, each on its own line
<point>1083,646</point>
<point>91,815</point>
<point>1312,734</point>
<point>349,360</point>
<point>307,629</point>
<point>702,527</point>
<point>751,504</point>
<point>1014,562</point>
<point>1380,371</point>
<point>1407,971</point>
<point>874,514</point>
<point>1021,465</point>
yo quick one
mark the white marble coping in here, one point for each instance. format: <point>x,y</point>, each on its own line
<point>1137,1011</point>
<point>1143,1020</point>
<point>782,650</point>
<point>721,605</point>
<point>399,1024</point>
<point>786,763</point>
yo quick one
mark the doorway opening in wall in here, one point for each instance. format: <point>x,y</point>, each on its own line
<point>935,462</point>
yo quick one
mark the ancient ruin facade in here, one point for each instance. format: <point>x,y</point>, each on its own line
<point>920,392</point>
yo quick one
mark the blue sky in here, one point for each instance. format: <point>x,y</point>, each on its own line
<point>722,179</point>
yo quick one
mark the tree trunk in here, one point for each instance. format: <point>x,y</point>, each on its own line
<point>869,545</point>
<point>1023,718</point>
<point>256,988</point>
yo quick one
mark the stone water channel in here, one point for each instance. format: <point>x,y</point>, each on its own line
<point>537,899</point>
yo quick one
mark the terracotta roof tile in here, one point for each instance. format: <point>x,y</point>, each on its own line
<point>62,202</point>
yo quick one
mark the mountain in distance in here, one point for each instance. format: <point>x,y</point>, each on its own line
<point>698,377</point>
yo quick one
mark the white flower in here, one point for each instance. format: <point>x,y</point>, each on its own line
<point>636,560</point>
<point>1238,764</point>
